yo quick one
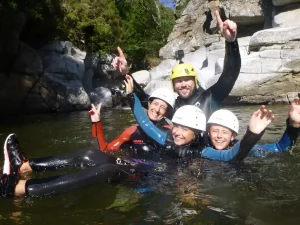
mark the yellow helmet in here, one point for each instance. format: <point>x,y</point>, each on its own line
<point>183,70</point>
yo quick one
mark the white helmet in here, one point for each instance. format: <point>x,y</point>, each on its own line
<point>225,118</point>
<point>164,94</point>
<point>190,116</point>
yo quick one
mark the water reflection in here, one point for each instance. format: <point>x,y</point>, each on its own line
<point>258,191</point>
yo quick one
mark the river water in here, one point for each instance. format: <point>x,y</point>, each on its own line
<point>259,191</point>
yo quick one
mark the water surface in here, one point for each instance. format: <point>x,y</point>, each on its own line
<point>259,191</point>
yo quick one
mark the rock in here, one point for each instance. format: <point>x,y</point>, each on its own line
<point>197,27</point>
<point>59,47</point>
<point>104,97</point>
<point>274,36</point>
<point>287,16</point>
<point>243,12</point>
<point>155,84</point>
<point>62,95</point>
<point>27,61</point>
<point>142,77</point>
<point>163,70</point>
<point>275,89</point>
<point>77,53</point>
<point>64,65</point>
<point>284,2</point>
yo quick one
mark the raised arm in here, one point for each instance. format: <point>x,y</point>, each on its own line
<point>232,61</point>
<point>290,135</point>
<point>97,132</point>
<point>121,65</point>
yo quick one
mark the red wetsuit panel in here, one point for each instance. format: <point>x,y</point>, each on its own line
<point>97,131</point>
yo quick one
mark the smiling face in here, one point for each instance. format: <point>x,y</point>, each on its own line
<point>182,135</point>
<point>157,109</point>
<point>184,86</point>
<point>220,136</point>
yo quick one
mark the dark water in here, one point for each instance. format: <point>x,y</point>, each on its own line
<point>260,191</point>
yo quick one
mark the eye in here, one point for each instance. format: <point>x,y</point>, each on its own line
<point>163,107</point>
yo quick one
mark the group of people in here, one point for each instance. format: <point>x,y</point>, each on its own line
<point>172,131</point>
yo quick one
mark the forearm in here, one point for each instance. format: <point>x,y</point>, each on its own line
<point>232,65</point>
<point>248,141</point>
<point>97,131</point>
<point>141,94</point>
<point>147,126</point>
<point>287,140</point>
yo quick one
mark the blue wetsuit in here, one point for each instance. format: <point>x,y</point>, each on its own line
<point>237,153</point>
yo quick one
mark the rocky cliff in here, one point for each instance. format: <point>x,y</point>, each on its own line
<point>269,39</point>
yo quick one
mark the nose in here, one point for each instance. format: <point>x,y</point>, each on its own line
<point>219,134</point>
<point>156,108</point>
<point>183,83</point>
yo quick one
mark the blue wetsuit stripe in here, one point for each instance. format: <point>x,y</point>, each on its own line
<point>281,146</point>
<point>223,155</point>
<point>148,127</point>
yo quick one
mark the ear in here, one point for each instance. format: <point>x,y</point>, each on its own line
<point>233,137</point>
<point>149,104</point>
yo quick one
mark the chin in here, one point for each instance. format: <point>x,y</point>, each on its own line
<point>178,142</point>
<point>185,95</point>
<point>218,147</point>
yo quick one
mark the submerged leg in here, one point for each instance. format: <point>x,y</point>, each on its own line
<point>72,181</point>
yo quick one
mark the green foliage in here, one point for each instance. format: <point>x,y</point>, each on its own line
<point>140,27</point>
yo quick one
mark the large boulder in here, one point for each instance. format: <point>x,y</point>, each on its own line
<point>287,16</point>
<point>58,59</point>
<point>274,36</point>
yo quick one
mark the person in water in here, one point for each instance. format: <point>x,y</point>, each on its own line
<point>189,123</point>
<point>223,126</point>
<point>161,104</point>
<point>105,167</point>
<point>184,77</point>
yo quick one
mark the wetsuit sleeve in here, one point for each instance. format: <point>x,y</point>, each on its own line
<point>140,93</point>
<point>147,126</point>
<point>232,65</point>
<point>287,140</point>
<point>237,153</point>
<point>97,131</point>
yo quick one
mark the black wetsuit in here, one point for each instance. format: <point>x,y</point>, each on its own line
<point>211,99</point>
<point>105,167</point>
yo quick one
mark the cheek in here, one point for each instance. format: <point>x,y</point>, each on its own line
<point>189,136</point>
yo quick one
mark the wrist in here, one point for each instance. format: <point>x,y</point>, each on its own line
<point>293,124</point>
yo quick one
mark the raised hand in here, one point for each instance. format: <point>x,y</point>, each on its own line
<point>294,113</point>
<point>120,62</point>
<point>260,119</point>
<point>228,28</point>
<point>95,113</point>
<point>129,84</point>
